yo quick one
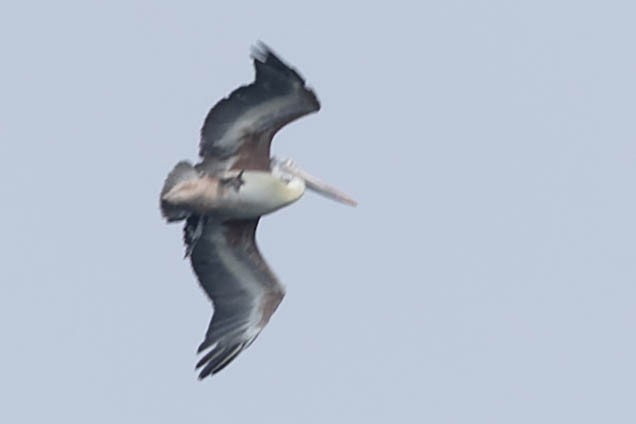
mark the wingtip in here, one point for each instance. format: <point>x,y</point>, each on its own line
<point>203,374</point>
<point>260,51</point>
<point>216,360</point>
<point>265,57</point>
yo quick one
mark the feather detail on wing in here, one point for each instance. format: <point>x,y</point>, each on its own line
<point>244,291</point>
<point>238,130</point>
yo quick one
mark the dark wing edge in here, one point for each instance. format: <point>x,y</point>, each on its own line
<point>256,111</point>
<point>244,291</point>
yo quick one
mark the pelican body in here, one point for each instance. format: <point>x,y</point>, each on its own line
<point>222,198</point>
<point>237,195</point>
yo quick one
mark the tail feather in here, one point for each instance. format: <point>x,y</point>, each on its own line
<point>183,171</point>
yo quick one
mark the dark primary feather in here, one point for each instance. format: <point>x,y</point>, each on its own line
<point>244,291</point>
<point>192,231</point>
<point>238,130</point>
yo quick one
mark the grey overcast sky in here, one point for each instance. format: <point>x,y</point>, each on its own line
<point>488,275</point>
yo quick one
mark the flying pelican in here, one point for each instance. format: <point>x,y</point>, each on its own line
<point>222,198</point>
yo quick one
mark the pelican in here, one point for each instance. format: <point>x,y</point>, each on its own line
<point>222,198</point>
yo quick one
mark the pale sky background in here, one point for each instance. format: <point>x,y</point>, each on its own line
<point>488,275</point>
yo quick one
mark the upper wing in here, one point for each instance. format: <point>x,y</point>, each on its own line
<point>244,291</point>
<point>238,131</point>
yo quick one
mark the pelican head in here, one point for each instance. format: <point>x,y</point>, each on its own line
<point>288,169</point>
<point>249,194</point>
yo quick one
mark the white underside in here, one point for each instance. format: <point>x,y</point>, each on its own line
<point>261,193</point>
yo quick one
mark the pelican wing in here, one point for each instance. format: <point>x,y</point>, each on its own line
<point>244,291</point>
<point>238,131</point>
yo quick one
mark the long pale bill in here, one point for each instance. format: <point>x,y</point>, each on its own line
<point>317,185</point>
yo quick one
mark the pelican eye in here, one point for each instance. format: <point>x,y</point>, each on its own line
<point>286,178</point>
